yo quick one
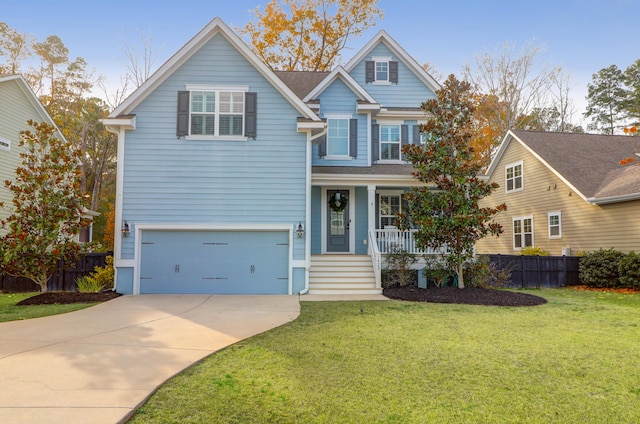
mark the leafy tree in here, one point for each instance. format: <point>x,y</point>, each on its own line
<point>46,212</point>
<point>308,35</point>
<point>605,100</point>
<point>15,46</point>
<point>449,216</point>
<point>632,81</point>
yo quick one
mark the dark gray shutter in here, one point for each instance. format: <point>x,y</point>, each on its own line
<point>416,134</point>
<point>370,71</point>
<point>353,138</point>
<point>393,72</point>
<point>250,115</point>
<point>404,139</point>
<point>182,126</point>
<point>322,146</point>
<point>375,142</point>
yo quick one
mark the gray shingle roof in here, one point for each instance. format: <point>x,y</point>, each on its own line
<point>404,170</point>
<point>301,82</point>
<point>590,162</point>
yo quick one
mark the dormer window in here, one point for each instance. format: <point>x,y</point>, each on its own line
<point>381,71</point>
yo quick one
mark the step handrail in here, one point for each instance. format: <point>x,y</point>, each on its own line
<point>376,258</point>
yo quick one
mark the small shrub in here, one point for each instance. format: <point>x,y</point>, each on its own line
<point>483,273</point>
<point>399,270</point>
<point>600,268</point>
<point>629,270</point>
<point>533,251</point>
<point>101,278</point>
<point>437,271</point>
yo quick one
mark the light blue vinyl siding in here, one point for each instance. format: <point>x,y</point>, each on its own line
<point>409,92</point>
<point>316,221</point>
<point>298,280</point>
<point>124,280</point>
<point>362,213</point>
<point>170,180</point>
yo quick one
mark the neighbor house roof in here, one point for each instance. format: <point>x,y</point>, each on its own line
<point>588,163</point>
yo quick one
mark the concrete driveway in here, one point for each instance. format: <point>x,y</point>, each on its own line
<point>96,365</point>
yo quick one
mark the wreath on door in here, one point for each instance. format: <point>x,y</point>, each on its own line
<point>337,204</point>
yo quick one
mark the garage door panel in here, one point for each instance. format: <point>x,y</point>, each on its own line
<point>225,262</point>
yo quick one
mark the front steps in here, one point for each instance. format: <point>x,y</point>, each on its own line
<point>342,274</point>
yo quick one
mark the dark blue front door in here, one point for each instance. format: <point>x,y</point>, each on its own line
<point>338,221</point>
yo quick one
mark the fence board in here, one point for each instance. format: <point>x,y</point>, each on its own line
<point>540,271</point>
<point>63,280</point>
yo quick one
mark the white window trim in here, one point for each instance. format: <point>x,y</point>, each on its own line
<point>513,165</point>
<point>559,215</point>
<point>338,116</point>
<point>217,89</point>
<point>5,144</point>
<point>375,60</point>
<point>389,124</point>
<point>513,235</point>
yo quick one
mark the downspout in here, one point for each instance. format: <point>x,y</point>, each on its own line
<point>117,237</point>
<point>307,246</point>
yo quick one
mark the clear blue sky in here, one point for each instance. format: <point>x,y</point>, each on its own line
<point>583,36</point>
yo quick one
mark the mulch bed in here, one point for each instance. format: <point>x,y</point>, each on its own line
<point>64,298</point>
<point>467,296</point>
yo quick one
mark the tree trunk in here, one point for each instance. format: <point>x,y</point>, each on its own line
<point>460,275</point>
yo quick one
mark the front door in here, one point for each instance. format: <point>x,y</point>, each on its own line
<point>338,221</point>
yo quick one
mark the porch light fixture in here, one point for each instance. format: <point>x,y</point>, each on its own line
<point>300,230</point>
<point>125,229</point>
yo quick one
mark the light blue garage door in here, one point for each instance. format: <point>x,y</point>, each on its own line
<point>217,262</point>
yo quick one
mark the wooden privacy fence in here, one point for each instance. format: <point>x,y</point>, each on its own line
<point>539,271</point>
<point>63,280</point>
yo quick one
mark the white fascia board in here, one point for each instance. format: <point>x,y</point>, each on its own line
<point>126,123</point>
<point>341,73</point>
<point>213,28</point>
<point>368,106</point>
<point>406,114</point>
<point>212,227</point>
<point>397,50</point>
<point>311,125</point>
<point>364,179</point>
<point>613,199</point>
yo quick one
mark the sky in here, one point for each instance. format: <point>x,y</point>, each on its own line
<point>582,36</point>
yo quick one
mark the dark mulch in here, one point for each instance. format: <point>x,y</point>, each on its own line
<point>64,298</point>
<point>468,296</point>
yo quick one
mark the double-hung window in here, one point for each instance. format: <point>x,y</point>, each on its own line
<point>555,225</point>
<point>338,137</point>
<point>390,205</point>
<point>514,177</point>
<point>217,113</point>
<point>390,142</point>
<point>522,232</point>
<point>382,71</point>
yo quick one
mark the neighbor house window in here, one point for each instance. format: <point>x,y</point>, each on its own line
<point>390,205</point>
<point>390,142</point>
<point>522,232</point>
<point>217,113</point>
<point>555,225</point>
<point>5,144</point>
<point>513,177</point>
<point>338,137</point>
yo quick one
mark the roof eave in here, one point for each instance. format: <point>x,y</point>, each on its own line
<point>613,199</point>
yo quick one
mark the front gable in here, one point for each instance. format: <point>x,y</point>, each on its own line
<point>392,77</point>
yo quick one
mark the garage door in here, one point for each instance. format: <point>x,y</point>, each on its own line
<point>217,262</point>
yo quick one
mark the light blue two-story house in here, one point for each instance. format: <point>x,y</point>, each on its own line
<point>233,178</point>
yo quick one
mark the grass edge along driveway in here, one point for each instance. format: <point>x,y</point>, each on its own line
<point>574,359</point>
<point>9,311</point>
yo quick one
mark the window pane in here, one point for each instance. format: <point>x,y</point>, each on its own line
<point>528,240</point>
<point>197,102</point>
<point>554,220</point>
<point>517,227</point>
<point>527,225</point>
<point>518,182</point>
<point>382,71</point>
<point>337,223</point>
<point>517,241</point>
<point>385,207</point>
<point>554,231</point>
<point>231,102</point>
<point>230,124</point>
<point>197,124</point>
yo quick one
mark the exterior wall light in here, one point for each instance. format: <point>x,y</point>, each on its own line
<point>300,231</point>
<point>125,229</point>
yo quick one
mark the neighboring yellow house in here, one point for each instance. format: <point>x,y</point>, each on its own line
<point>18,104</point>
<point>565,193</point>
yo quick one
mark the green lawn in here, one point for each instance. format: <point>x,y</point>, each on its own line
<point>573,360</point>
<point>10,312</point>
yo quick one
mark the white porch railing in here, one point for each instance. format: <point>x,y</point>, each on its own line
<point>376,259</point>
<point>391,240</point>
